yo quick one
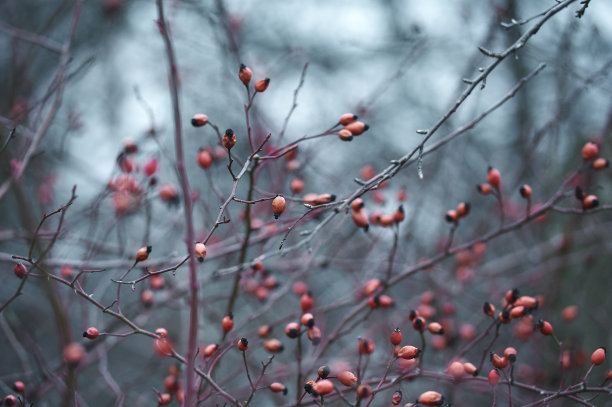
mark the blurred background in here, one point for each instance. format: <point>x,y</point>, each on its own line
<point>399,65</point>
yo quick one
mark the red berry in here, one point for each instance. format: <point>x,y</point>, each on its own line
<point>494,177</point>
<point>227,323</point>
<point>20,270</point>
<point>91,333</point>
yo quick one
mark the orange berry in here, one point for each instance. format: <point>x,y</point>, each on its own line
<point>569,313</point>
<point>371,286</point>
<point>525,191</point>
<point>156,282</point>
<point>164,399</point>
<point>489,309</point>
<point>262,84</point>
<point>526,301</point>
<point>199,120</point>
<point>126,164</point>
<point>143,253</point>
<point>345,135</point>
<point>511,296</point>
<point>431,398</point>
<point>498,361</point>
<point>306,302</point>
<point>385,220</point>
<point>19,387</point>
<point>150,167</point>
<point>278,206</point>
<point>463,209</point>
<point>300,288</point>
<point>73,354</point>
<point>204,159</point>
<point>147,298</point>
<point>545,327</point>
<point>510,353</point>
<point>600,164</point>
<point>292,330</point>
<point>599,356</point>
<point>396,398</point>
<point>66,271</point>
<point>590,202</point>
<point>309,387</point>
<point>347,118</point>
<point>180,396</point>
<point>425,310</point>
<point>229,139</point>
<point>200,251</point>
<point>245,74</point>
<point>227,323</point>
<point>357,128</point>
<point>129,147</point>
<point>399,215</point>
<point>366,346</point>
<point>590,151</point>
<point>161,332</point>
<point>451,216</point>
<point>373,302</point>
<point>493,377</point>
<point>273,346</point>
<point>408,352</point>
<point>448,308</point>
<point>175,370</point>
<point>297,185</point>
<point>243,344</point>
<point>517,312</point>
<point>324,199</point>
<point>383,301</point>
<point>171,383</point>
<point>310,199</point>
<point>314,334</point>
<point>210,349</point>
<point>219,153</point>
<point>323,387</point>
<point>479,249</point>
<point>402,195</point>
<point>435,328</point>
<point>278,388</point>
<point>470,369</point>
<point>347,378</point>
<point>91,333</point>
<point>357,204</point>
<point>419,323</point>
<point>20,270</point>
<point>307,320</point>
<point>456,369</point>
<point>323,371</point>
<point>504,316</point>
<point>467,332</point>
<point>364,390</point>
<point>169,193</point>
<point>367,172</point>
<point>360,219</point>
<point>484,189</point>
<point>264,331</point>
<point>293,165</point>
<point>396,337</point>
<point>494,177</point>
<point>257,265</point>
<point>270,283</point>
<point>10,400</point>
